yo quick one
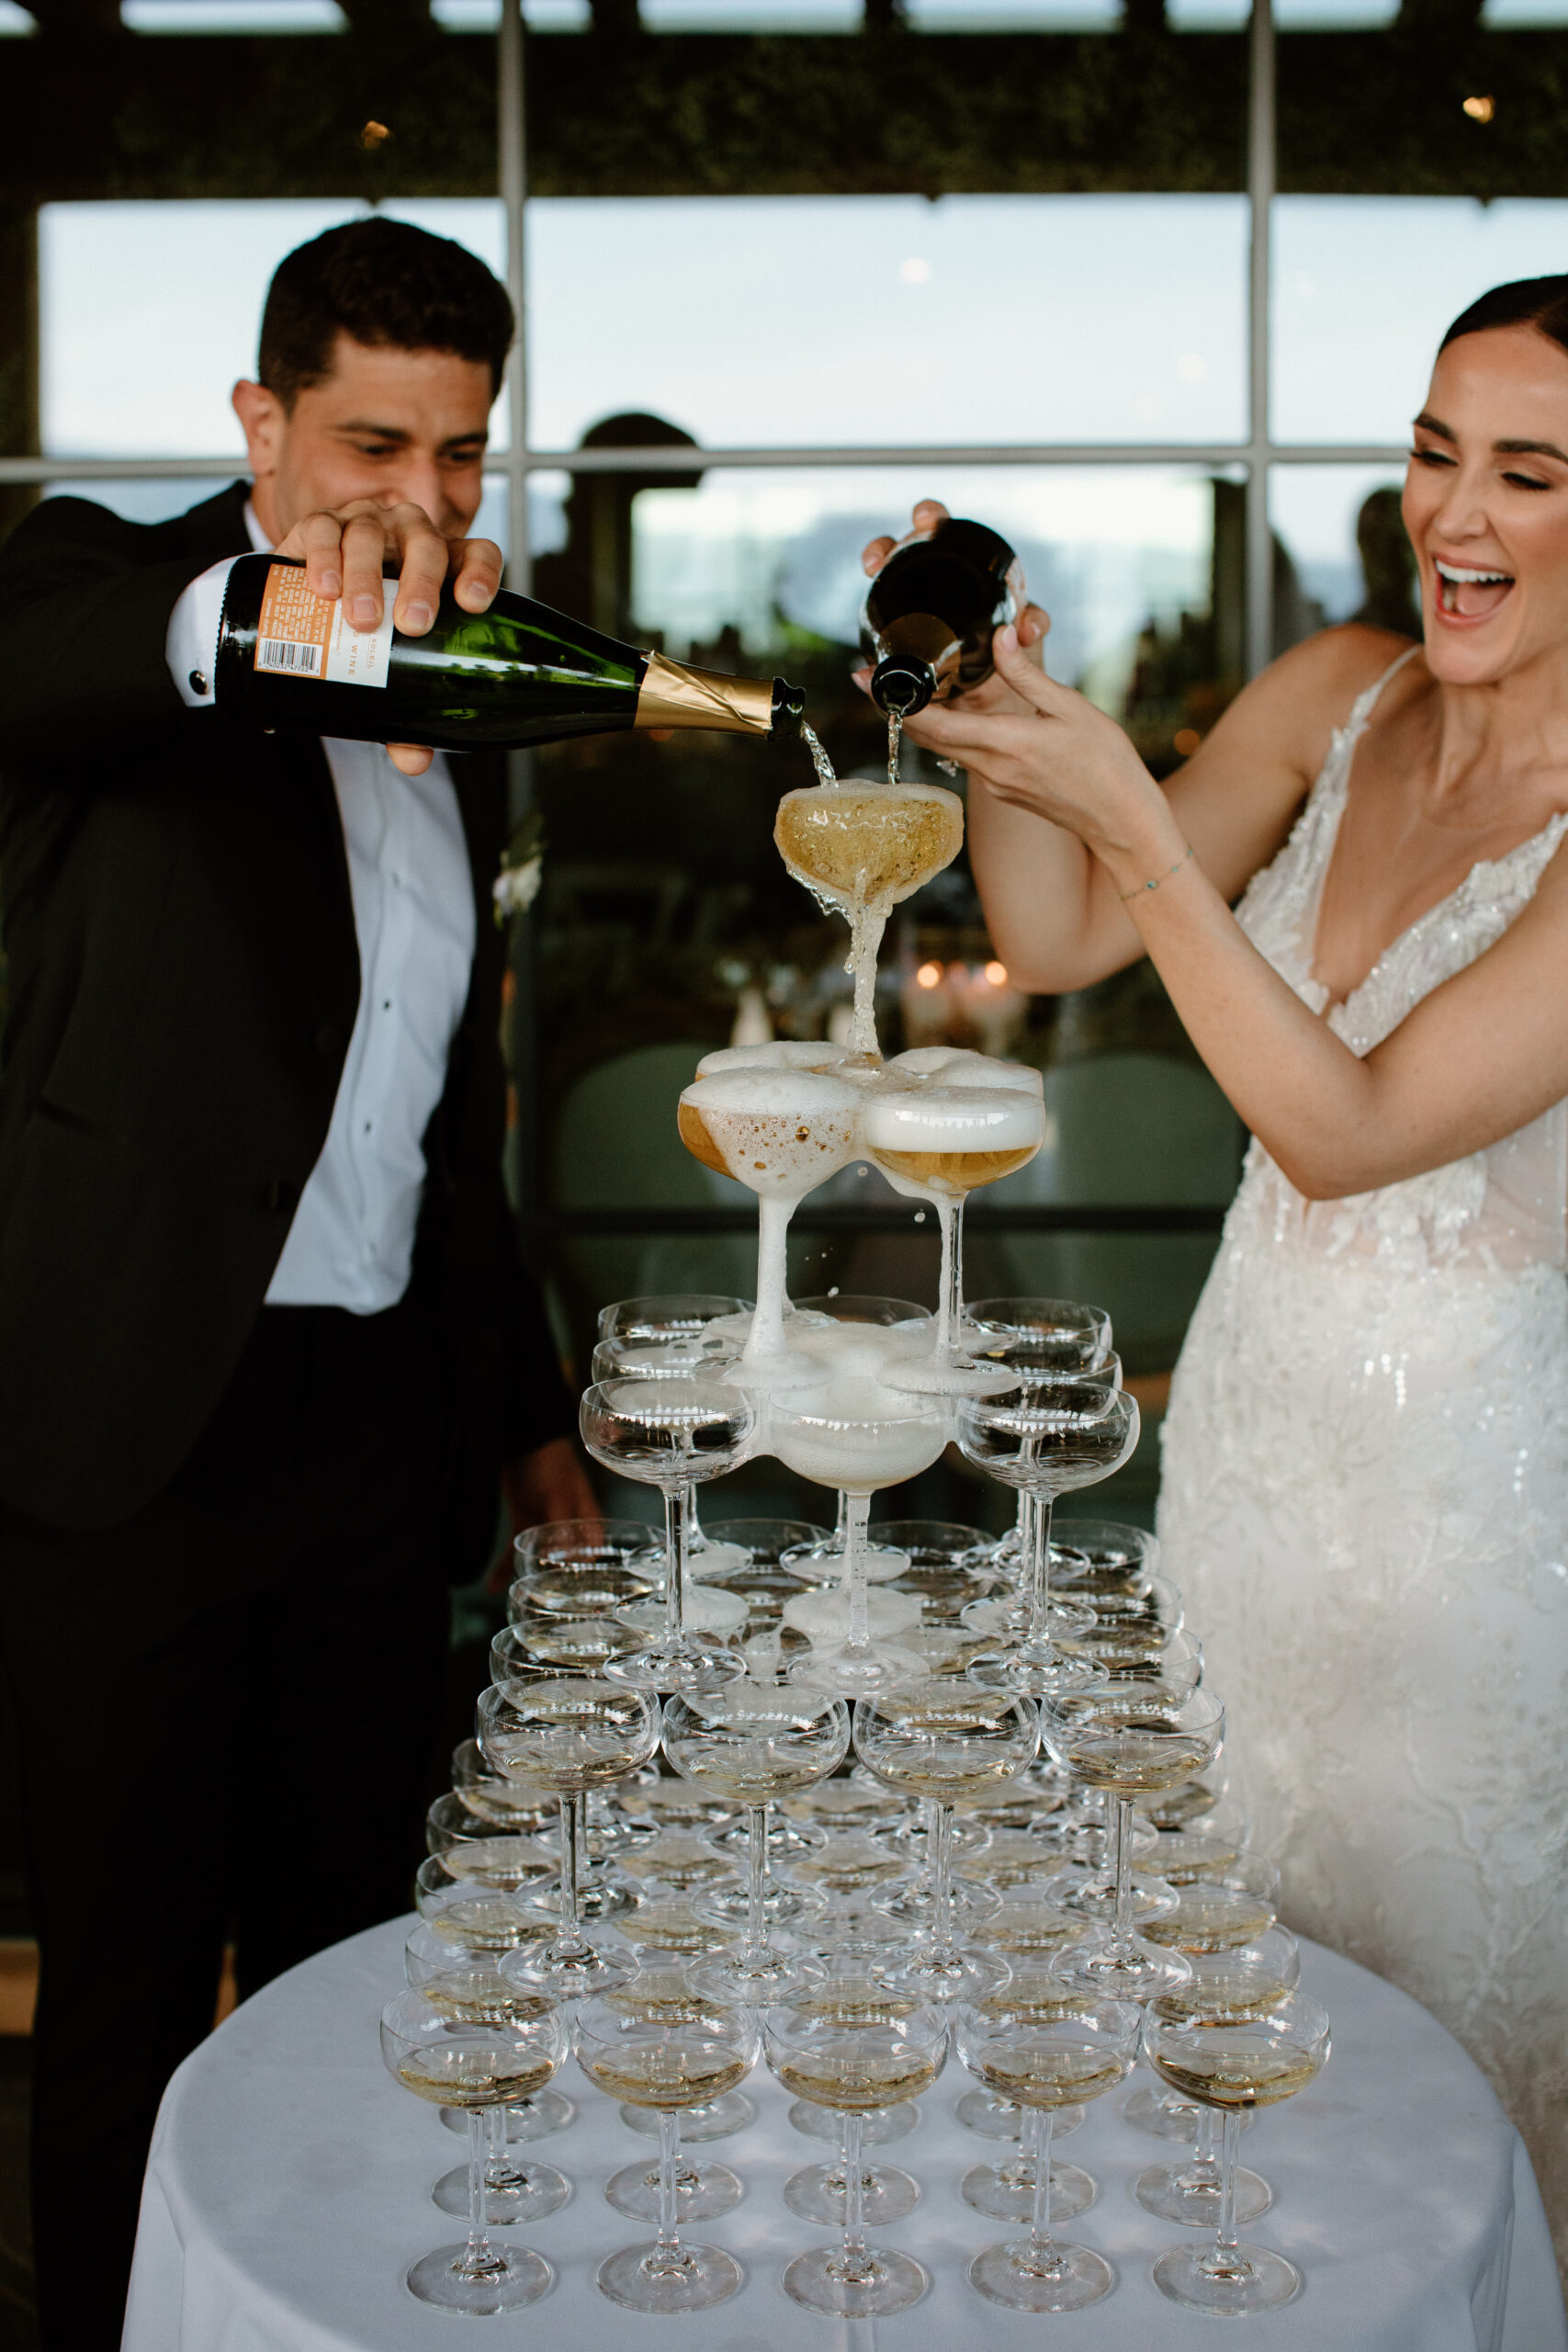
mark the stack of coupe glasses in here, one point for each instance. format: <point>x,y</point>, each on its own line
<point>922,1793</point>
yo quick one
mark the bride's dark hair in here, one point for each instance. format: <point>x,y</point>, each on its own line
<point>1539,302</point>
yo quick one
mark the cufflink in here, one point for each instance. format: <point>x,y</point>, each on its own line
<point>198,685</point>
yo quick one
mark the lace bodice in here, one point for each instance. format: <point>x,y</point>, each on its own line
<point>1506,1206</point>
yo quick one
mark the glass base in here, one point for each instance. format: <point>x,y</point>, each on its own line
<point>701,2276</point>
<point>846,1673</point>
<point>1036,1678</point>
<point>774,1977</point>
<point>513,2277</point>
<point>782,1906</point>
<point>914,1906</point>
<point>717,2120</point>
<point>693,1662</point>
<point>1136,1971</point>
<point>785,1837</point>
<point>879,2125</point>
<point>1163,2116</point>
<point>950,1974</point>
<point>1179,2193</point>
<point>535,2190</point>
<point>817,2194</point>
<point>598,1897</point>
<point>531,2118</point>
<point>571,1976</point>
<point>1245,2278</point>
<point>998,2119</point>
<point>1092,1894</point>
<point>1064,2280</point>
<point>889,2281</point>
<point>1006,2192</point>
<point>1008,1621</point>
<point>700,2192</point>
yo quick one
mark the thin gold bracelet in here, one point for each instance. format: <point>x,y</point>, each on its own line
<point>1125,895</point>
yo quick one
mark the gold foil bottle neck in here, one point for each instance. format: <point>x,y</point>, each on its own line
<point>673,695</point>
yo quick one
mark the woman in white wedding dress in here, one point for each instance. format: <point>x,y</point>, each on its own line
<point>1365,1496</point>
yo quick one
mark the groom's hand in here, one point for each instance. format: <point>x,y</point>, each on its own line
<point>550,1483</point>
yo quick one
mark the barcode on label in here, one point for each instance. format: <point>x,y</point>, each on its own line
<point>288,653</point>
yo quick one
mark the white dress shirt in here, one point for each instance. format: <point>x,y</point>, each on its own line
<point>351,1243</point>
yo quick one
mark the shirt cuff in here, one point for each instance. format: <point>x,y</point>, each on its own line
<point>191,646</point>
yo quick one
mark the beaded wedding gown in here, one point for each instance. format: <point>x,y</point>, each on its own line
<point>1365,1502</point>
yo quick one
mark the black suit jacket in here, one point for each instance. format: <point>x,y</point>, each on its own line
<point>184,978</point>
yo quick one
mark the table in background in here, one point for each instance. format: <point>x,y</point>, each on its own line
<point>289,2190</point>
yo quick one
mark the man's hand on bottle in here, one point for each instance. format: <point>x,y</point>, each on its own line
<point>994,694</point>
<point>343,553</point>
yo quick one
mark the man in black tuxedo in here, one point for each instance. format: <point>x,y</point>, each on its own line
<point>267,1349</point>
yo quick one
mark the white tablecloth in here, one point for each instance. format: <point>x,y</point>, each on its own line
<point>288,2189</point>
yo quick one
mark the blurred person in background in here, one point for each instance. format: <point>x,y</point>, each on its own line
<point>267,1349</point>
<point>1365,1486</point>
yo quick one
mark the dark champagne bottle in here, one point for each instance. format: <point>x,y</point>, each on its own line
<point>518,673</point>
<point>928,614</point>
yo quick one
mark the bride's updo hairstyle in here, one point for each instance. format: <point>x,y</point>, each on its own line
<point>1539,302</point>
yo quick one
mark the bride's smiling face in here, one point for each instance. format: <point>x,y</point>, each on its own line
<point>1486,506</point>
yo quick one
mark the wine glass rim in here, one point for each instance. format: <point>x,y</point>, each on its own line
<point>704,1401</point>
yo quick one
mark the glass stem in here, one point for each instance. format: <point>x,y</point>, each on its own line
<point>677,1507</point>
<point>756,1857</point>
<point>857,1517</point>
<point>570,1938</point>
<point>941,1877</point>
<point>855,2260</point>
<point>952,1261</point>
<point>478,2259</point>
<point>1043,1504</point>
<point>772,1236</point>
<point>1123,1932</point>
<point>1021,1536</point>
<point>669,2162</point>
<point>944,1323</point>
<point>1229,2146</point>
<point>1204,2152</point>
<point>1041,2121</point>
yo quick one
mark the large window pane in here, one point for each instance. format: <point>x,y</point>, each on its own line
<point>666,909</point>
<point>1364,287</point>
<point>790,321</point>
<point>148,311</point>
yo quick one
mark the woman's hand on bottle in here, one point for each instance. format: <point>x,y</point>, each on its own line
<point>344,551</point>
<point>1033,622</point>
<point>1049,751</point>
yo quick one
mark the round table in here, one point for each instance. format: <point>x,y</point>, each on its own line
<point>289,2190</point>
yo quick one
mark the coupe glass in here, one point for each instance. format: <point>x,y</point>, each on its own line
<point>863,1333</point>
<point>1045,2046</point>
<point>510,1805</point>
<point>750,1744</point>
<point>475,2062</point>
<point>1130,1739</point>
<point>857,1436</point>
<point>855,1996</point>
<point>943,1740</point>
<point>1073,1335</point>
<point>1251,1971</point>
<point>663,1986</point>
<point>474,1978</point>
<point>575,1732</point>
<point>940,1143</point>
<point>855,2050</point>
<point>666,2056</point>
<point>578,1568</point>
<point>670,1434</point>
<point>1048,1441</point>
<point>1234,2064</point>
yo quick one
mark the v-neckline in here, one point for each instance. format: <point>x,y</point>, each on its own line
<point>1330,1005</point>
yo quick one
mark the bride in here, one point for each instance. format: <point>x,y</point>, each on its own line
<point>1365,1492</point>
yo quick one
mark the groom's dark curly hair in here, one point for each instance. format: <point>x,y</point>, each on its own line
<point>1539,302</point>
<point>380,282</point>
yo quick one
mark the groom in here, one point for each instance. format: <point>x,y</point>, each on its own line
<point>267,1349</point>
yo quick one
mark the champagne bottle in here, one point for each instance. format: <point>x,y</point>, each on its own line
<point>929,612</point>
<point>518,673</point>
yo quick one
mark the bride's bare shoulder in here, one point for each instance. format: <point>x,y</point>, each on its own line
<point>1309,690</point>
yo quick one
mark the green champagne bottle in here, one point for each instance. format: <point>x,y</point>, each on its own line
<point>516,674</point>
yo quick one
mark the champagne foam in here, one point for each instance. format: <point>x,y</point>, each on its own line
<point>953,1118</point>
<point>778,1131</point>
<point>780,1053</point>
<point>959,1066</point>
